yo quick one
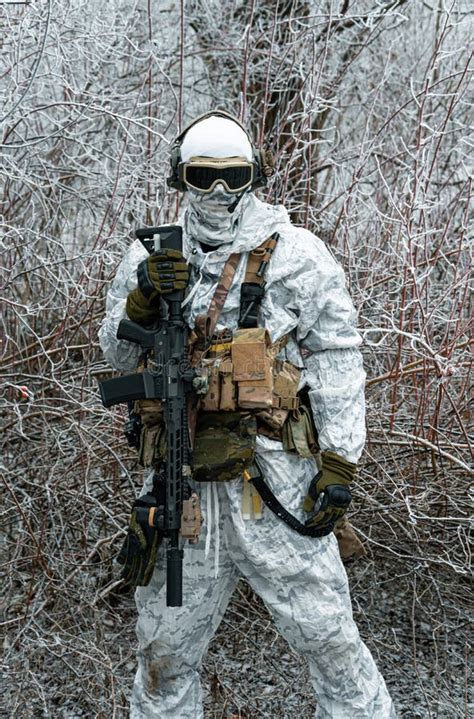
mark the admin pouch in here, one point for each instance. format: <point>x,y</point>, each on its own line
<point>224,445</point>
<point>252,367</point>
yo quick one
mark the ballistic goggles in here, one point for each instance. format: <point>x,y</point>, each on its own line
<point>204,173</point>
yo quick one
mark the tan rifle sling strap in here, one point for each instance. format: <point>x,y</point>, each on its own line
<point>221,292</point>
<point>252,290</point>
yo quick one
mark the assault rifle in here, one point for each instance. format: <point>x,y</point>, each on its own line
<point>169,379</point>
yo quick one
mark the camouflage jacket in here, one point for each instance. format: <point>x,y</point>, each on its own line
<point>305,297</point>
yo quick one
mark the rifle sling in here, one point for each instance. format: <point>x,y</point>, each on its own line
<point>221,292</point>
<point>257,264</point>
<point>274,505</point>
<point>258,260</point>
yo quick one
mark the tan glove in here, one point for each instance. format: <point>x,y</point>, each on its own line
<point>141,309</point>
<point>163,272</point>
<point>329,493</point>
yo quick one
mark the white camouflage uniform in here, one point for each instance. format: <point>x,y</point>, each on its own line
<point>301,579</point>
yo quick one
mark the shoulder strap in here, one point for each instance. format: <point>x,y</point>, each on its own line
<point>221,291</point>
<point>258,260</point>
<point>252,290</point>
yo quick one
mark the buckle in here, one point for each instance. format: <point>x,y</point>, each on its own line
<point>286,402</point>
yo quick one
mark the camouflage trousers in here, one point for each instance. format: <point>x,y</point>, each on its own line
<point>302,582</point>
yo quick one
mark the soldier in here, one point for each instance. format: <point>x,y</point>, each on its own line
<point>234,243</point>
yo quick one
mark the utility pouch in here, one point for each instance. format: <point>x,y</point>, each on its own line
<point>211,400</point>
<point>228,401</point>
<point>150,448</point>
<point>224,445</point>
<point>253,368</point>
<point>298,435</point>
<point>286,379</point>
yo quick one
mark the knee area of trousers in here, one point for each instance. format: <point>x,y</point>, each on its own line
<point>331,639</point>
<point>162,666</point>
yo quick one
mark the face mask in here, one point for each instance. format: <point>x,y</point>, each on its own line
<point>208,218</point>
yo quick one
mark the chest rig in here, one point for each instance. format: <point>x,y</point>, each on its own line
<point>241,366</point>
<point>250,391</point>
<point>245,391</point>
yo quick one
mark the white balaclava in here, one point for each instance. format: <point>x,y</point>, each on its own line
<point>207,216</point>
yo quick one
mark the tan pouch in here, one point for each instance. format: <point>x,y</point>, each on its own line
<point>228,401</point>
<point>258,393</point>
<point>151,415</point>
<point>350,546</point>
<point>286,378</point>
<point>152,445</point>
<point>150,411</point>
<point>253,368</point>
<point>298,435</point>
<point>211,400</point>
<point>249,354</point>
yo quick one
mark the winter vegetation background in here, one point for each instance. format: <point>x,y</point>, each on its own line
<point>366,107</point>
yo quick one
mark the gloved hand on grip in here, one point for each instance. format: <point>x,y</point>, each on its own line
<point>140,548</point>
<point>161,273</point>
<point>329,493</point>
<point>142,310</point>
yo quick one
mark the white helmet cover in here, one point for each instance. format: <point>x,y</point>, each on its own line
<point>216,137</point>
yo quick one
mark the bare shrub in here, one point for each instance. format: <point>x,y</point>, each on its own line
<point>366,108</point>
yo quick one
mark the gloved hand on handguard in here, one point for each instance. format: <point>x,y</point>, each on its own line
<point>163,272</point>
<point>140,548</point>
<point>329,493</point>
